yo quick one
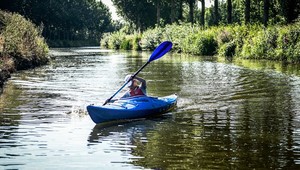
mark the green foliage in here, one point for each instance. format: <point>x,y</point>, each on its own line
<point>206,43</point>
<point>201,43</point>
<point>126,44</point>
<point>225,35</point>
<point>288,43</point>
<point>21,42</point>
<point>227,49</point>
<point>143,13</point>
<point>115,40</point>
<point>259,43</point>
<point>151,38</point>
<point>226,41</point>
<point>273,43</point>
<point>177,33</point>
<point>245,41</point>
<point>104,40</point>
<point>79,20</point>
<point>119,40</point>
<point>63,21</point>
<point>22,38</point>
<point>136,42</point>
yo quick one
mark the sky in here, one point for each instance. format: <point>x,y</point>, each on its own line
<point>112,9</point>
<point>114,16</point>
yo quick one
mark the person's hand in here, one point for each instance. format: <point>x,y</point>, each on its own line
<point>110,101</point>
<point>107,101</point>
<point>131,78</point>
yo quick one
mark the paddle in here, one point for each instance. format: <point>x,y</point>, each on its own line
<point>161,50</point>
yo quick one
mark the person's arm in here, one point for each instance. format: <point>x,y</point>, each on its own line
<point>143,85</point>
<point>125,95</point>
<point>143,82</point>
<point>110,101</point>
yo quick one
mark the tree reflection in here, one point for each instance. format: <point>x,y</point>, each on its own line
<point>9,100</point>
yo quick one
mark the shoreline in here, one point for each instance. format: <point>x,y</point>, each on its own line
<point>22,46</point>
<point>12,66</point>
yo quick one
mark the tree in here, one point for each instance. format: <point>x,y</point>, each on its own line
<point>191,4</point>
<point>291,9</point>
<point>157,4</point>
<point>216,12</point>
<point>266,11</point>
<point>180,10</point>
<point>247,11</point>
<point>173,11</point>
<point>138,13</point>
<point>229,11</point>
<point>64,20</point>
<point>146,13</point>
<point>202,17</point>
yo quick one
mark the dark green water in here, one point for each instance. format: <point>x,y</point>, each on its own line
<point>229,116</point>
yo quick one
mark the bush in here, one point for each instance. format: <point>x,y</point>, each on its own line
<point>104,40</point>
<point>177,33</point>
<point>152,38</point>
<point>136,42</point>
<point>245,41</point>
<point>126,44</point>
<point>240,35</point>
<point>288,43</point>
<point>224,36</point>
<point>227,49</point>
<point>119,40</point>
<point>22,41</point>
<point>189,44</point>
<point>206,43</point>
<point>115,40</point>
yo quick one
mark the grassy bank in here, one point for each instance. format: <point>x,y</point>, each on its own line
<point>21,45</point>
<point>280,43</point>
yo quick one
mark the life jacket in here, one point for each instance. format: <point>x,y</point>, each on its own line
<point>136,92</point>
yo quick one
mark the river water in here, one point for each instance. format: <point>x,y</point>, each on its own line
<point>242,115</point>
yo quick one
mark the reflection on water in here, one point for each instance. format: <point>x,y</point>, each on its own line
<point>230,116</point>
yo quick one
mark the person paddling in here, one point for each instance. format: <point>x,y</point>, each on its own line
<point>159,51</point>
<point>134,88</point>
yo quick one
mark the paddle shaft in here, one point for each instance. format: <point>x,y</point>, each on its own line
<point>132,77</point>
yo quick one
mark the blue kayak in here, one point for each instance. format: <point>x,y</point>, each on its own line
<point>132,108</point>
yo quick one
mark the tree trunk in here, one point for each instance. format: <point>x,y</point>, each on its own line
<point>139,25</point>
<point>247,11</point>
<point>229,11</point>
<point>180,12</point>
<point>191,13</point>
<point>216,12</point>
<point>158,12</point>
<point>266,11</point>
<point>202,13</point>
<point>290,10</point>
<point>172,11</point>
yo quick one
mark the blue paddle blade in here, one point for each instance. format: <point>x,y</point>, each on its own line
<point>161,50</point>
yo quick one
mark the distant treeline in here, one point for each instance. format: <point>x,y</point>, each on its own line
<point>64,21</point>
<point>142,14</point>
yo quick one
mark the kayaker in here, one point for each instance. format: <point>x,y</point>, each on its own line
<point>134,88</point>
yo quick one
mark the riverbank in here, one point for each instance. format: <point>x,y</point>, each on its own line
<point>278,42</point>
<point>21,45</point>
